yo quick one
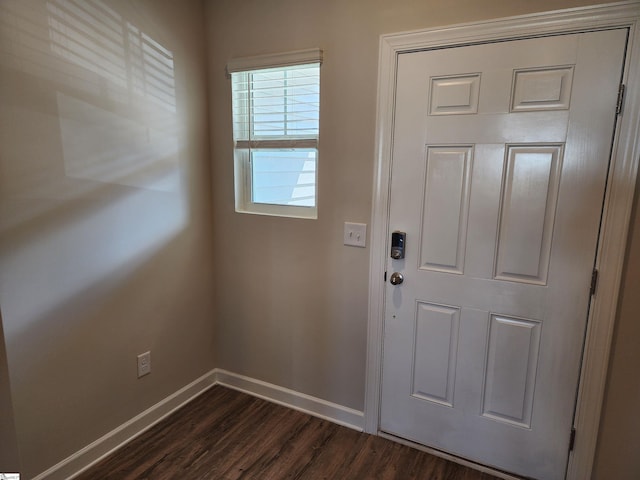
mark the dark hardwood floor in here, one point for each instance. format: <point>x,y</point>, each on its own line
<point>224,434</point>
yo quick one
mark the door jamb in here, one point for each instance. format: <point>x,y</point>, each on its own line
<point>615,216</point>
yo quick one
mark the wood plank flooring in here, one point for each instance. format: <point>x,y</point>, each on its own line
<point>227,435</point>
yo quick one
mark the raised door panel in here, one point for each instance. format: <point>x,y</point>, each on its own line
<point>542,89</point>
<point>435,352</point>
<point>445,208</point>
<point>530,192</point>
<point>512,358</point>
<point>454,95</point>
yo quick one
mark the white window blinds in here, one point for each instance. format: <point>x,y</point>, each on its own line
<point>276,104</point>
<point>276,113</point>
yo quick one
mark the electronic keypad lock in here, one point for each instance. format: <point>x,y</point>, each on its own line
<point>398,245</point>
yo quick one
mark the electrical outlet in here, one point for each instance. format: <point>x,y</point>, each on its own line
<point>144,364</point>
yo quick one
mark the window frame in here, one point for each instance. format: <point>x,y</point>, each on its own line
<point>243,178</point>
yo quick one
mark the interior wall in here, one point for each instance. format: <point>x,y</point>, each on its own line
<point>619,443</point>
<point>9,456</point>
<point>105,214</point>
<point>291,300</point>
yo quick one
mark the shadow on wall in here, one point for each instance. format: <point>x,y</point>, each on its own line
<point>91,148</point>
<point>94,210</point>
<point>9,457</point>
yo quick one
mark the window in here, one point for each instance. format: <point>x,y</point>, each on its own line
<point>276,113</point>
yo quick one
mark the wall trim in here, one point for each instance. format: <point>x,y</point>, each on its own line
<point>317,407</point>
<point>104,446</point>
<point>84,458</point>
<point>616,213</point>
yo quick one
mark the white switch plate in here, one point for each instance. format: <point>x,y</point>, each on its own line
<point>355,234</point>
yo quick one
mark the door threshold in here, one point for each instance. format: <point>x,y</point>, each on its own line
<point>452,458</point>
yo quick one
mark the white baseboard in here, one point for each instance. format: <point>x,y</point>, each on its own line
<point>83,459</point>
<point>110,442</point>
<point>317,407</point>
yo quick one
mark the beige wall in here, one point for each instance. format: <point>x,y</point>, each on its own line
<point>291,300</point>
<point>9,457</point>
<point>110,246</point>
<point>105,217</point>
<point>618,455</point>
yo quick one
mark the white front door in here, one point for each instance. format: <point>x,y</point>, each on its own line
<point>499,165</point>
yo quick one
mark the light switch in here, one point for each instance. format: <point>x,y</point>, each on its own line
<point>355,234</point>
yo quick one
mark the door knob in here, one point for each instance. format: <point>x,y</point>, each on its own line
<point>396,278</point>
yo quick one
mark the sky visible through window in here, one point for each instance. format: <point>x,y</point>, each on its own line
<point>284,177</point>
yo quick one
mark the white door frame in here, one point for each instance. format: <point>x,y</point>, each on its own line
<point>617,206</point>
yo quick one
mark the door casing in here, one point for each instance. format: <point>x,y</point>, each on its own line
<point>616,213</point>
